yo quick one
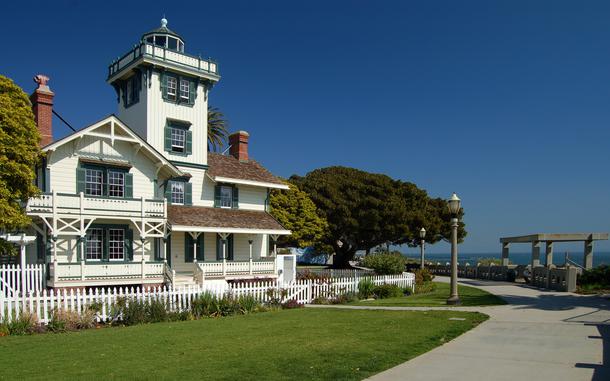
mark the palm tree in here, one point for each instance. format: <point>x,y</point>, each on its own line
<point>217,129</point>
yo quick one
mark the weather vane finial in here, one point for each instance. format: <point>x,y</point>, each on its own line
<point>164,21</point>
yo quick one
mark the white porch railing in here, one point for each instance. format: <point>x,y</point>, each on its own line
<point>76,204</point>
<point>222,268</point>
<point>105,270</point>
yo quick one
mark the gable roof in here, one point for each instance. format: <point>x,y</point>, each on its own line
<point>201,218</point>
<point>118,131</point>
<point>226,168</point>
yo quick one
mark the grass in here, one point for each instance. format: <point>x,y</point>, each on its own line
<point>470,296</point>
<point>312,344</point>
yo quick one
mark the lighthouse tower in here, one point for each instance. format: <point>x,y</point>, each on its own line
<point>162,93</point>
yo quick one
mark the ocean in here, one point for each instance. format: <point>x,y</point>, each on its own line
<point>599,258</point>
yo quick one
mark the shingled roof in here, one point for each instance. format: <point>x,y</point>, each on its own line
<point>230,167</point>
<point>207,217</point>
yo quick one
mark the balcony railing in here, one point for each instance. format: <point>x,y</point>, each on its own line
<point>78,204</point>
<point>223,268</point>
<point>148,50</point>
<point>81,271</point>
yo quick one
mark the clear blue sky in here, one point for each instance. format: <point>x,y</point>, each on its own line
<point>505,102</point>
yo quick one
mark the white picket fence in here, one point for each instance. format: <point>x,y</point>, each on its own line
<point>43,303</point>
<point>12,279</point>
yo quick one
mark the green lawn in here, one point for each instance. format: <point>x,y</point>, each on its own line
<point>470,296</point>
<point>312,344</point>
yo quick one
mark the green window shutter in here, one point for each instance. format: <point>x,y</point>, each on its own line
<point>235,203</point>
<point>168,138</point>
<point>128,185</point>
<point>188,194</point>
<point>217,196</point>
<point>192,92</point>
<point>218,248</point>
<point>163,80</point>
<point>129,244</point>
<point>189,142</point>
<point>168,191</point>
<point>188,248</point>
<point>200,256</point>
<point>230,247</point>
<point>80,179</point>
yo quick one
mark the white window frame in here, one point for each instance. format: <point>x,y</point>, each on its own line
<point>90,241</point>
<point>120,186</point>
<point>185,89</point>
<point>172,87</point>
<point>177,192</point>
<point>88,180</point>
<point>116,244</point>
<point>180,135</point>
<point>223,197</point>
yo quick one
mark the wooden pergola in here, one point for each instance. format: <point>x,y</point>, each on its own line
<point>549,239</point>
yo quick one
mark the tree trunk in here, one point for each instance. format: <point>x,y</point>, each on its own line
<point>342,258</point>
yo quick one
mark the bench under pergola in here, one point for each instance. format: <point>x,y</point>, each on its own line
<point>549,239</point>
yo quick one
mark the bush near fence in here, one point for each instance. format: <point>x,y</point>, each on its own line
<point>43,304</point>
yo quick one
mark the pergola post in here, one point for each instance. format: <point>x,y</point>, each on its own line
<point>535,254</point>
<point>549,254</point>
<point>505,247</point>
<point>587,262</point>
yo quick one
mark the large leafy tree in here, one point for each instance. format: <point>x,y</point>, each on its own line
<point>296,212</point>
<point>19,154</point>
<point>365,210</point>
<point>217,129</point>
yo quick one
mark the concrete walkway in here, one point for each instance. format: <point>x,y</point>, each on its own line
<point>539,335</point>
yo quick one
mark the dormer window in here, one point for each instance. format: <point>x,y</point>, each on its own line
<point>226,197</point>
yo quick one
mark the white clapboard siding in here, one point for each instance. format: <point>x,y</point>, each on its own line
<point>41,302</point>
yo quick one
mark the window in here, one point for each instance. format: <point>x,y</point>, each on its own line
<point>116,184</point>
<point>177,189</point>
<point>94,180</point>
<point>171,88</point>
<point>116,244</point>
<point>160,41</point>
<point>172,43</point>
<point>226,197</point>
<point>184,89</point>
<point>94,247</point>
<point>108,243</point>
<point>99,181</point>
<point>178,139</point>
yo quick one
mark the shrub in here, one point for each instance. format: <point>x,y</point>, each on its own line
<point>63,321</point>
<point>346,298</point>
<point>388,291</point>
<point>180,316</point>
<point>290,304</point>
<point>228,305</point>
<point>156,311</point>
<point>25,324</point>
<point>206,305</point>
<point>248,304</point>
<point>597,278</point>
<point>135,312</point>
<point>310,275</point>
<point>422,276</point>
<point>366,288</point>
<point>320,300</point>
<point>425,288</point>
<point>385,263</point>
<point>275,296</point>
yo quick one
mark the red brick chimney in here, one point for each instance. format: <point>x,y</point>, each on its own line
<point>42,106</point>
<point>239,145</point>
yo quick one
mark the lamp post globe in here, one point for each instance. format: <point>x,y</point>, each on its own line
<point>422,235</point>
<point>454,205</point>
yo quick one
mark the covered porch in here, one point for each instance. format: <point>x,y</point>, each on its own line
<point>223,243</point>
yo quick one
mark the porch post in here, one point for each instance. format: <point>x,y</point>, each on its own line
<point>588,255</point>
<point>22,262</point>
<point>143,241</point>
<point>55,277</point>
<point>549,254</point>
<point>81,243</point>
<point>194,247</point>
<point>250,265</point>
<point>224,257</point>
<point>505,247</point>
<point>535,255</point>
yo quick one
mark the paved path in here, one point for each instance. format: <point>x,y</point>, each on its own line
<point>539,335</point>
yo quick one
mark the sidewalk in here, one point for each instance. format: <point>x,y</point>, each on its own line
<point>539,335</point>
